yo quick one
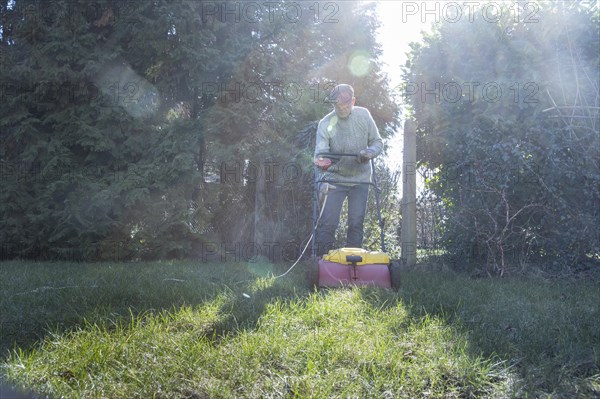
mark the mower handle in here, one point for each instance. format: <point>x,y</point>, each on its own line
<point>342,154</point>
<point>334,154</point>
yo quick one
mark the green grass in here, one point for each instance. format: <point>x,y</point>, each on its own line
<point>186,330</point>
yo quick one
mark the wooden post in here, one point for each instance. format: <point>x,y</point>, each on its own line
<point>408,233</point>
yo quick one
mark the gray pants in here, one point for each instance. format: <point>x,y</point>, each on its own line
<point>357,205</point>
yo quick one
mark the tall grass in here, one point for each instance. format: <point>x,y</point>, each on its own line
<point>186,330</point>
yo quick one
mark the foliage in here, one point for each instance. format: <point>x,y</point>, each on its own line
<point>118,119</point>
<point>273,134</point>
<point>508,128</point>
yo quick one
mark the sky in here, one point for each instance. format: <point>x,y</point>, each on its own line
<point>402,23</point>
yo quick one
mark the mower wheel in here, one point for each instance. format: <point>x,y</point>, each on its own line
<point>312,273</point>
<point>395,273</point>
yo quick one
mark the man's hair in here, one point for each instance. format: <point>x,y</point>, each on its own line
<point>341,93</point>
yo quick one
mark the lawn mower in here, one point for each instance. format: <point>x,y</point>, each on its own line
<point>349,266</point>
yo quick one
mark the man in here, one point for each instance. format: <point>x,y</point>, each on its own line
<point>347,129</point>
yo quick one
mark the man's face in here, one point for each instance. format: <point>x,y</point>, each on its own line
<point>343,107</point>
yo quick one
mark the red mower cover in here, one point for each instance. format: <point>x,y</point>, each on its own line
<point>354,266</point>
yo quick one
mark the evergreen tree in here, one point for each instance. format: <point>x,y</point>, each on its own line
<point>118,117</point>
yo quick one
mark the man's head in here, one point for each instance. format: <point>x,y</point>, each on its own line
<point>342,96</point>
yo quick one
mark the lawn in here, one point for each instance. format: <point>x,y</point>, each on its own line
<point>201,330</point>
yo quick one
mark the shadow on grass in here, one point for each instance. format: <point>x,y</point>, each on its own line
<point>546,332</point>
<point>38,299</point>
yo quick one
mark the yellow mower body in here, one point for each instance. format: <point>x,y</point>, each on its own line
<point>368,257</point>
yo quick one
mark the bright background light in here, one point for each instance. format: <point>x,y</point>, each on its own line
<point>399,28</point>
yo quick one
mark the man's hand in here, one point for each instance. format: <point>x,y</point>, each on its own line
<point>323,163</point>
<point>365,155</point>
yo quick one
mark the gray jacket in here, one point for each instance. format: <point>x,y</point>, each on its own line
<point>349,136</point>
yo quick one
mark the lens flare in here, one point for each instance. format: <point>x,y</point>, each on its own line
<point>359,63</point>
<point>332,122</point>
